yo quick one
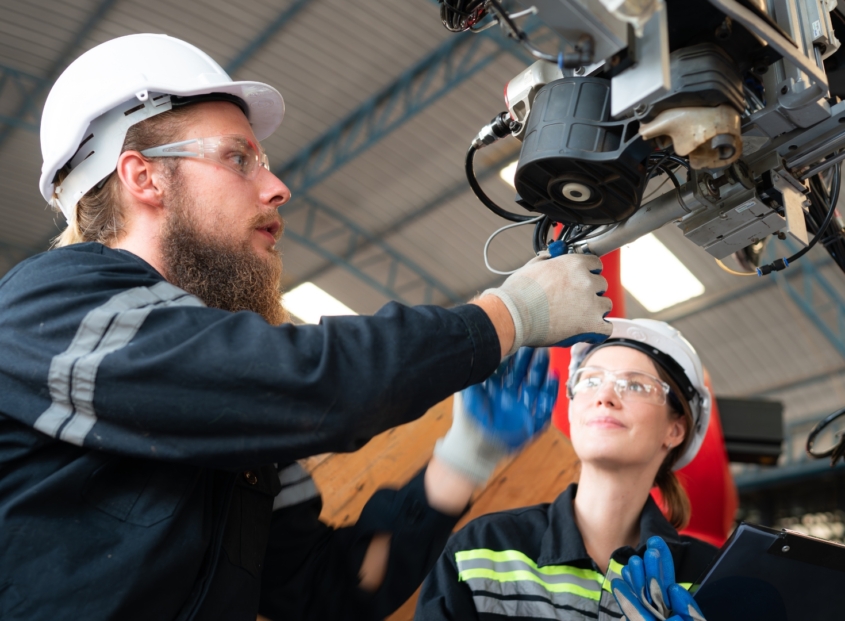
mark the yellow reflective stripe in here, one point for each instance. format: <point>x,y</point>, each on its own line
<point>523,575</point>
<point>615,567</point>
<point>515,555</point>
<point>687,585</point>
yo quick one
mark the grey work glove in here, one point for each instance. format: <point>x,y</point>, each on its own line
<point>556,301</point>
<point>499,416</point>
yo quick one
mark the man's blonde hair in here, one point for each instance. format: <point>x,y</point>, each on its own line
<point>99,215</point>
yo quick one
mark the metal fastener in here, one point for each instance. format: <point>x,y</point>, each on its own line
<point>785,549</point>
<point>251,477</point>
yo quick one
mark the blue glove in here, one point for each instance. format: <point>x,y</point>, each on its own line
<point>515,403</point>
<point>648,591</point>
<point>495,418</point>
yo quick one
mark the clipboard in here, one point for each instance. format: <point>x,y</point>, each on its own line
<point>761,574</point>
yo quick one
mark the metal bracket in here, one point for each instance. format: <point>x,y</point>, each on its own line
<point>793,206</point>
<point>762,29</point>
<point>650,77</point>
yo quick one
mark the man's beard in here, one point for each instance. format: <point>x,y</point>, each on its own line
<point>223,275</point>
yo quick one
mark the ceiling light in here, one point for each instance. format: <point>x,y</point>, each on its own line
<point>309,303</point>
<point>508,172</point>
<point>655,276</point>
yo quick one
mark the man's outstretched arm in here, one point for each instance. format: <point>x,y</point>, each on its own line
<point>371,568</point>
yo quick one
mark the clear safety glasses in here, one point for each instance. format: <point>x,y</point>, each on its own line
<point>629,385</point>
<point>237,153</point>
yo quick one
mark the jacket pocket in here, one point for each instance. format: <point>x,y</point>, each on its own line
<point>248,522</point>
<point>139,492</point>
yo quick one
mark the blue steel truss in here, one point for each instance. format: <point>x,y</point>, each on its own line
<point>28,108</point>
<point>19,90</point>
<point>458,58</point>
<point>813,294</point>
<point>386,270</point>
<point>25,90</point>
<point>365,243</point>
<point>272,29</point>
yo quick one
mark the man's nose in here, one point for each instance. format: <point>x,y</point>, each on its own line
<point>273,190</point>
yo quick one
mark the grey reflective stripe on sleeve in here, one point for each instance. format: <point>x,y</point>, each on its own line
<point>297,487</point>
<point>103,331</point>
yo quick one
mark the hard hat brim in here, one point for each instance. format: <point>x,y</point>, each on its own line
<point>265,112</point>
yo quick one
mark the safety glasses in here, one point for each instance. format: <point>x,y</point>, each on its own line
<point>629,385</point>
<point>237,153</point>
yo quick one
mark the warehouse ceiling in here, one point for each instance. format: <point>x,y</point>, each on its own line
<point>382,103</point>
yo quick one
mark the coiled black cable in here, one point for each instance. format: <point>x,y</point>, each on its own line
<point>541,234</point>
<point>486,200</point>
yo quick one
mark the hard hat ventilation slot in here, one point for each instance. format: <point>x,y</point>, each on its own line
<point>133,110</point>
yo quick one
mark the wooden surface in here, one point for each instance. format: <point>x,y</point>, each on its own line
<point>347,481</point>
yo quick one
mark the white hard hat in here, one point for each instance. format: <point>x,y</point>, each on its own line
<point>122,82</point>
<point>668,348</point>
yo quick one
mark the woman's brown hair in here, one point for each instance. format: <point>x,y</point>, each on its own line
<point>99,215</point>
<point>674,495</point>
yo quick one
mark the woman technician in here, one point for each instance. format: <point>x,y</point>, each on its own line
<point>638,410</point>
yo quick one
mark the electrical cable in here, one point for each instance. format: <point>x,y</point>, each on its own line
<point>817,201</point>
<point>657,189</point>
<point>486,200</point>
<point>461,15</point>
<point>732,271</point>
<point>518,34</point>
<point>584,48</point>
<point>502,230</point>
<point>541,234</point>
<point>675,158</point>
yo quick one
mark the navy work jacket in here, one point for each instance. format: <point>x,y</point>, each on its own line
<point>148,445</point>
<point>531,563</point>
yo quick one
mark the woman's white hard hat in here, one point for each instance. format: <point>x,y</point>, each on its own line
<point>122,82</point>
<point>660,340</point>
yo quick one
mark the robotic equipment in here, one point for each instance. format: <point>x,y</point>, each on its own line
<point>741,99</point>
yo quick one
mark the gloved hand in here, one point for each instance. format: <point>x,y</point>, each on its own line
<point>556,301</point>
<point>498,416</point>
<point>648,591</point>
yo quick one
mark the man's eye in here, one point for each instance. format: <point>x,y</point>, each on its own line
<point>239,160</point>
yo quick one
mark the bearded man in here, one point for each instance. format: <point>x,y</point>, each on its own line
<point>154,401</point>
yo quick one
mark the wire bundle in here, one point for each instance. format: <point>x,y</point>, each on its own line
<point>820,222</point>
<point>823,199</point>
<point>461,15</point>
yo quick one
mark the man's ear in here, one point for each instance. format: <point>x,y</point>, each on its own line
<point>142,178</point>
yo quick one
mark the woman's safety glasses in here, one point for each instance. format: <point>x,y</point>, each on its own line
<point>237,153</point>
<point>629,385</point>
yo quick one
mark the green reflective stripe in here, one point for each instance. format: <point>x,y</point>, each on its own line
<point>518,576</point>
<point>615,567</point>
<point>687,586</point>
<point>515,555</point>
<point>614,570</point>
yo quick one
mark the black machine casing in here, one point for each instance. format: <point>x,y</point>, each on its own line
<point>577,166</point>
